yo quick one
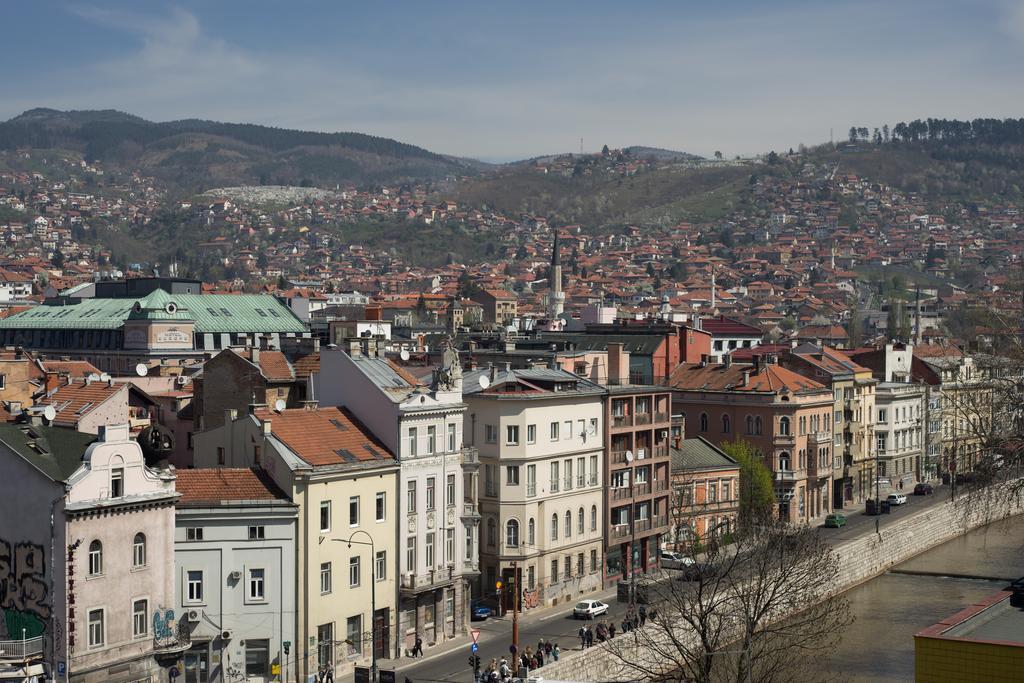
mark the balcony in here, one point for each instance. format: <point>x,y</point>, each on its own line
<point>643,524</point>
<point>622,493</point>
<point>622,420</point>
<point>784,440</point>
<point>643,419</point>
<point>436,578</point>
<point>554,486</point>
<point>531,489</point>
<point>470,456</point>
<point>170,638</point>
<point>567,484</point>
<point>620,531</point>
<point>661,521</point>
<point>662,417</point>
<point>820,437</point>
<point>661,485</point>
<point>593,480</point>
<point>21,650</point>
<point>618,457</point>
<point>785,476</point>
<point>660,451</point>
<point>581,481</point>
<point>469,509</point>
<point>642,488</point>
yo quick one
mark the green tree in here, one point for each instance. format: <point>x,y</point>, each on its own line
<point>757,492</point>
<point>57,259</point>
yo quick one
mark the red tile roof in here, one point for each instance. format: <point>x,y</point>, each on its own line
<point>325,436</point>
<point>306,365</point>
<point>719,377</point>
<point>222,484</point>
<point>75,368</point>
<point>78,399</point>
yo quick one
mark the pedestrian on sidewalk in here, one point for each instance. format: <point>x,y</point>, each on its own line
<point>539,658</point>
<point>643,615</point>
<point>590,637</point>
<point>583,636</point>
<point>417,648</point>
<point>547,649</point>
<point>555,652</point>
<point>611,629</point>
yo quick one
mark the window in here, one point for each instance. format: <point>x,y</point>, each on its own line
<point>449,545</point>
<point>784,426</point>
<point>194,585</point>
<point>325,516</point>
<point>554,571</point>
<point>96,629</point>
<point>194,533</point>
<point>410,496</point>
<point>353,572</point>
<point>492,533</point>
<point>256,584</point>
<point>451,438</point>
<point>512,533</point>
<point>512,435</point>
<point>881,414</point>
<point>413,438</point>
<point>750,424</point>
<point>758,426</point>
<point>220,455</point>
<point>449,490</point>
<point>581,472</point>
<point>620,479</point>
<point>512,475</point>
<point>381,506</point>
<point>567,429</point>
<point>554,431</point>
<point>140,618</point>
<point>554,477</point>
<point>593,561</point>
<point>469,544</point>
<point>410,554</point>
<point>95,558</point>
<point>490,434</point>
<point>139,551</point>
<point>353,511</point>
<point>713,492</point>
<point>531,533</point>
<point>531,433</point>
<point>354,632</point>
<point>580,567</point>
<point>257,533</point>
<point>325,578</point>
<point>593,426</point>
<point>531,480</point>
<point>429,546</point>
<point>117,482</point>
<point>554,527</point>
<point>726,425</point>
<point>567,468</point>
<point>380,569</point>
<point>593,518</point>
<point>881,443</point>
<point>431,439</point>
<point>257,658</point>
<point>593,470</point>
<point>580,522</point>
<point>725,491</point>
<point>568,524</point>
<point>430,493</point>
<point>703,422</point>
<point>568,567</point>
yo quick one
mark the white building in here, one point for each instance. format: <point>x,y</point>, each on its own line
<point>899,431</point>
<point>421,422</point>
<point>540,437</point>
<point>234,554</point>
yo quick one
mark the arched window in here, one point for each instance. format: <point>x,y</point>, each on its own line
<point>784,461</point>
<point>784,426</point>
<point>593,518</point>
<point>703,422</point>
<point>750,424</point>
<point>531,533</point>
<point>492,533</point>
<point>758,426</point>
<point>726,426</point>
<point>95,558</point>
<point>568,523</point>
<point>139,550</point>
<point>580,522</point>
<point>554,527</point>
<point>512,533</point>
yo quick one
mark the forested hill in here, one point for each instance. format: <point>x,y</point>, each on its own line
<point>196,154</point>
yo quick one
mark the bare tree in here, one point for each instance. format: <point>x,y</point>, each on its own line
<point>756,609</point>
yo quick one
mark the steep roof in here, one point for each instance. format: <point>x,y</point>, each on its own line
<point>828,359</point>
<point>325,436</point>
<point>212,313</point>
<point>767,378</point>
<point>214,486</point>
<point>76,400</point>
<point>700,454</point>
<point>55,451</point>
<point>727,327</point>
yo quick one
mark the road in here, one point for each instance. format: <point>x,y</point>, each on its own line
<point>449,663</point>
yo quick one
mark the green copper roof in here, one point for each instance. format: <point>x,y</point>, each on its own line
<point>212,313</point>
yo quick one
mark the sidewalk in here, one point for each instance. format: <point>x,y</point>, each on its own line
<point>462,642</point>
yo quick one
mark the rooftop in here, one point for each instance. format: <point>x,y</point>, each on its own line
<point>325,436</point>
<point>55,451</point>
<point>992,619</point>
<point>700,454</point>
<point>217,486</point>
<point>766,378</point>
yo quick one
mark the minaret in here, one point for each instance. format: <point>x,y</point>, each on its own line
<point>556,300</point>
<point>832,259</point>
<point>712,291</point>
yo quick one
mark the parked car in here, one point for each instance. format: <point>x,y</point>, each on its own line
<point>835,520</point>
<point>480,612</point>
<point>673,560</point>
<point>923,489</point>
<point>589,609</point>
<point>897,498</point>
<point>696,571</point>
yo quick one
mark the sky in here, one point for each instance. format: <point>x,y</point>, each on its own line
<point>512,80</point>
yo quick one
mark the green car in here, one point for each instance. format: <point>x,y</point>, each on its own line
<point>835,520</point>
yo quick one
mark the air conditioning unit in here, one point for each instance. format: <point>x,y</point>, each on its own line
<point>225,635</point>
<point>192,616</point>
<point>236,575</point>
<point>664,433</point>
<point>641,453</point>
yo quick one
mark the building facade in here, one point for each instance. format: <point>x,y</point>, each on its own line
<point>705,493</point>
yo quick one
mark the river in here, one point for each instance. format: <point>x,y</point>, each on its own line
<point>890,609</point>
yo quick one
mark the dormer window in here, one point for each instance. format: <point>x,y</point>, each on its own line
<point>117,482</point>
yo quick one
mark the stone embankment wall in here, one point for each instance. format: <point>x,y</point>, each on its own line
<point>861,559</point>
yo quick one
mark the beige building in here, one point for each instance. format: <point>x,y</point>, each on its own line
<point>343,480</point>
<point>540,435</point>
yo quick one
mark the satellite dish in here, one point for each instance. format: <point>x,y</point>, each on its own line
<point>404,355</point>
<point>93,377</point>
<point>104,377</point>
<point>279,405</point>
<point>629,456</point>
<point>141,370</point>
<point>49,413</point>
<point>484,381</point>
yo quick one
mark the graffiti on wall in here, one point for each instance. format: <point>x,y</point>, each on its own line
<point>24,591</point>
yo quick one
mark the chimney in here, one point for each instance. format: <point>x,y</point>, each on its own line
<point>230,415</point>
<point>677,441</point>
<point>618,365</point>
<point>703,360</point>
<point>310,404</point>
<point>256,356</point>
<point>727,360</point>
<point>746,377</point>
<point>266,427</point>
<point>373,313</point>
<point>757,363</point>
<point>493,371</point>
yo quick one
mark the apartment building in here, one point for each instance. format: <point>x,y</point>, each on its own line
<point>540,435</point>
<point>785,416</point>
<point>899,432</point>
<point>705,490</point>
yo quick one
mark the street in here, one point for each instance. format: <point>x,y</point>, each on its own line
<point>450,662</point>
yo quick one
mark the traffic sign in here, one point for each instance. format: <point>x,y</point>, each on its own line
<point>473,648</point>
<point>475,633</point>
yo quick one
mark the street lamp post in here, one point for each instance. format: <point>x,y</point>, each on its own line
<point>373,597</point>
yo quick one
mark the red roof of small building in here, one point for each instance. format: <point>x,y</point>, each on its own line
<point>226,484</point>
<point>325,436</point>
